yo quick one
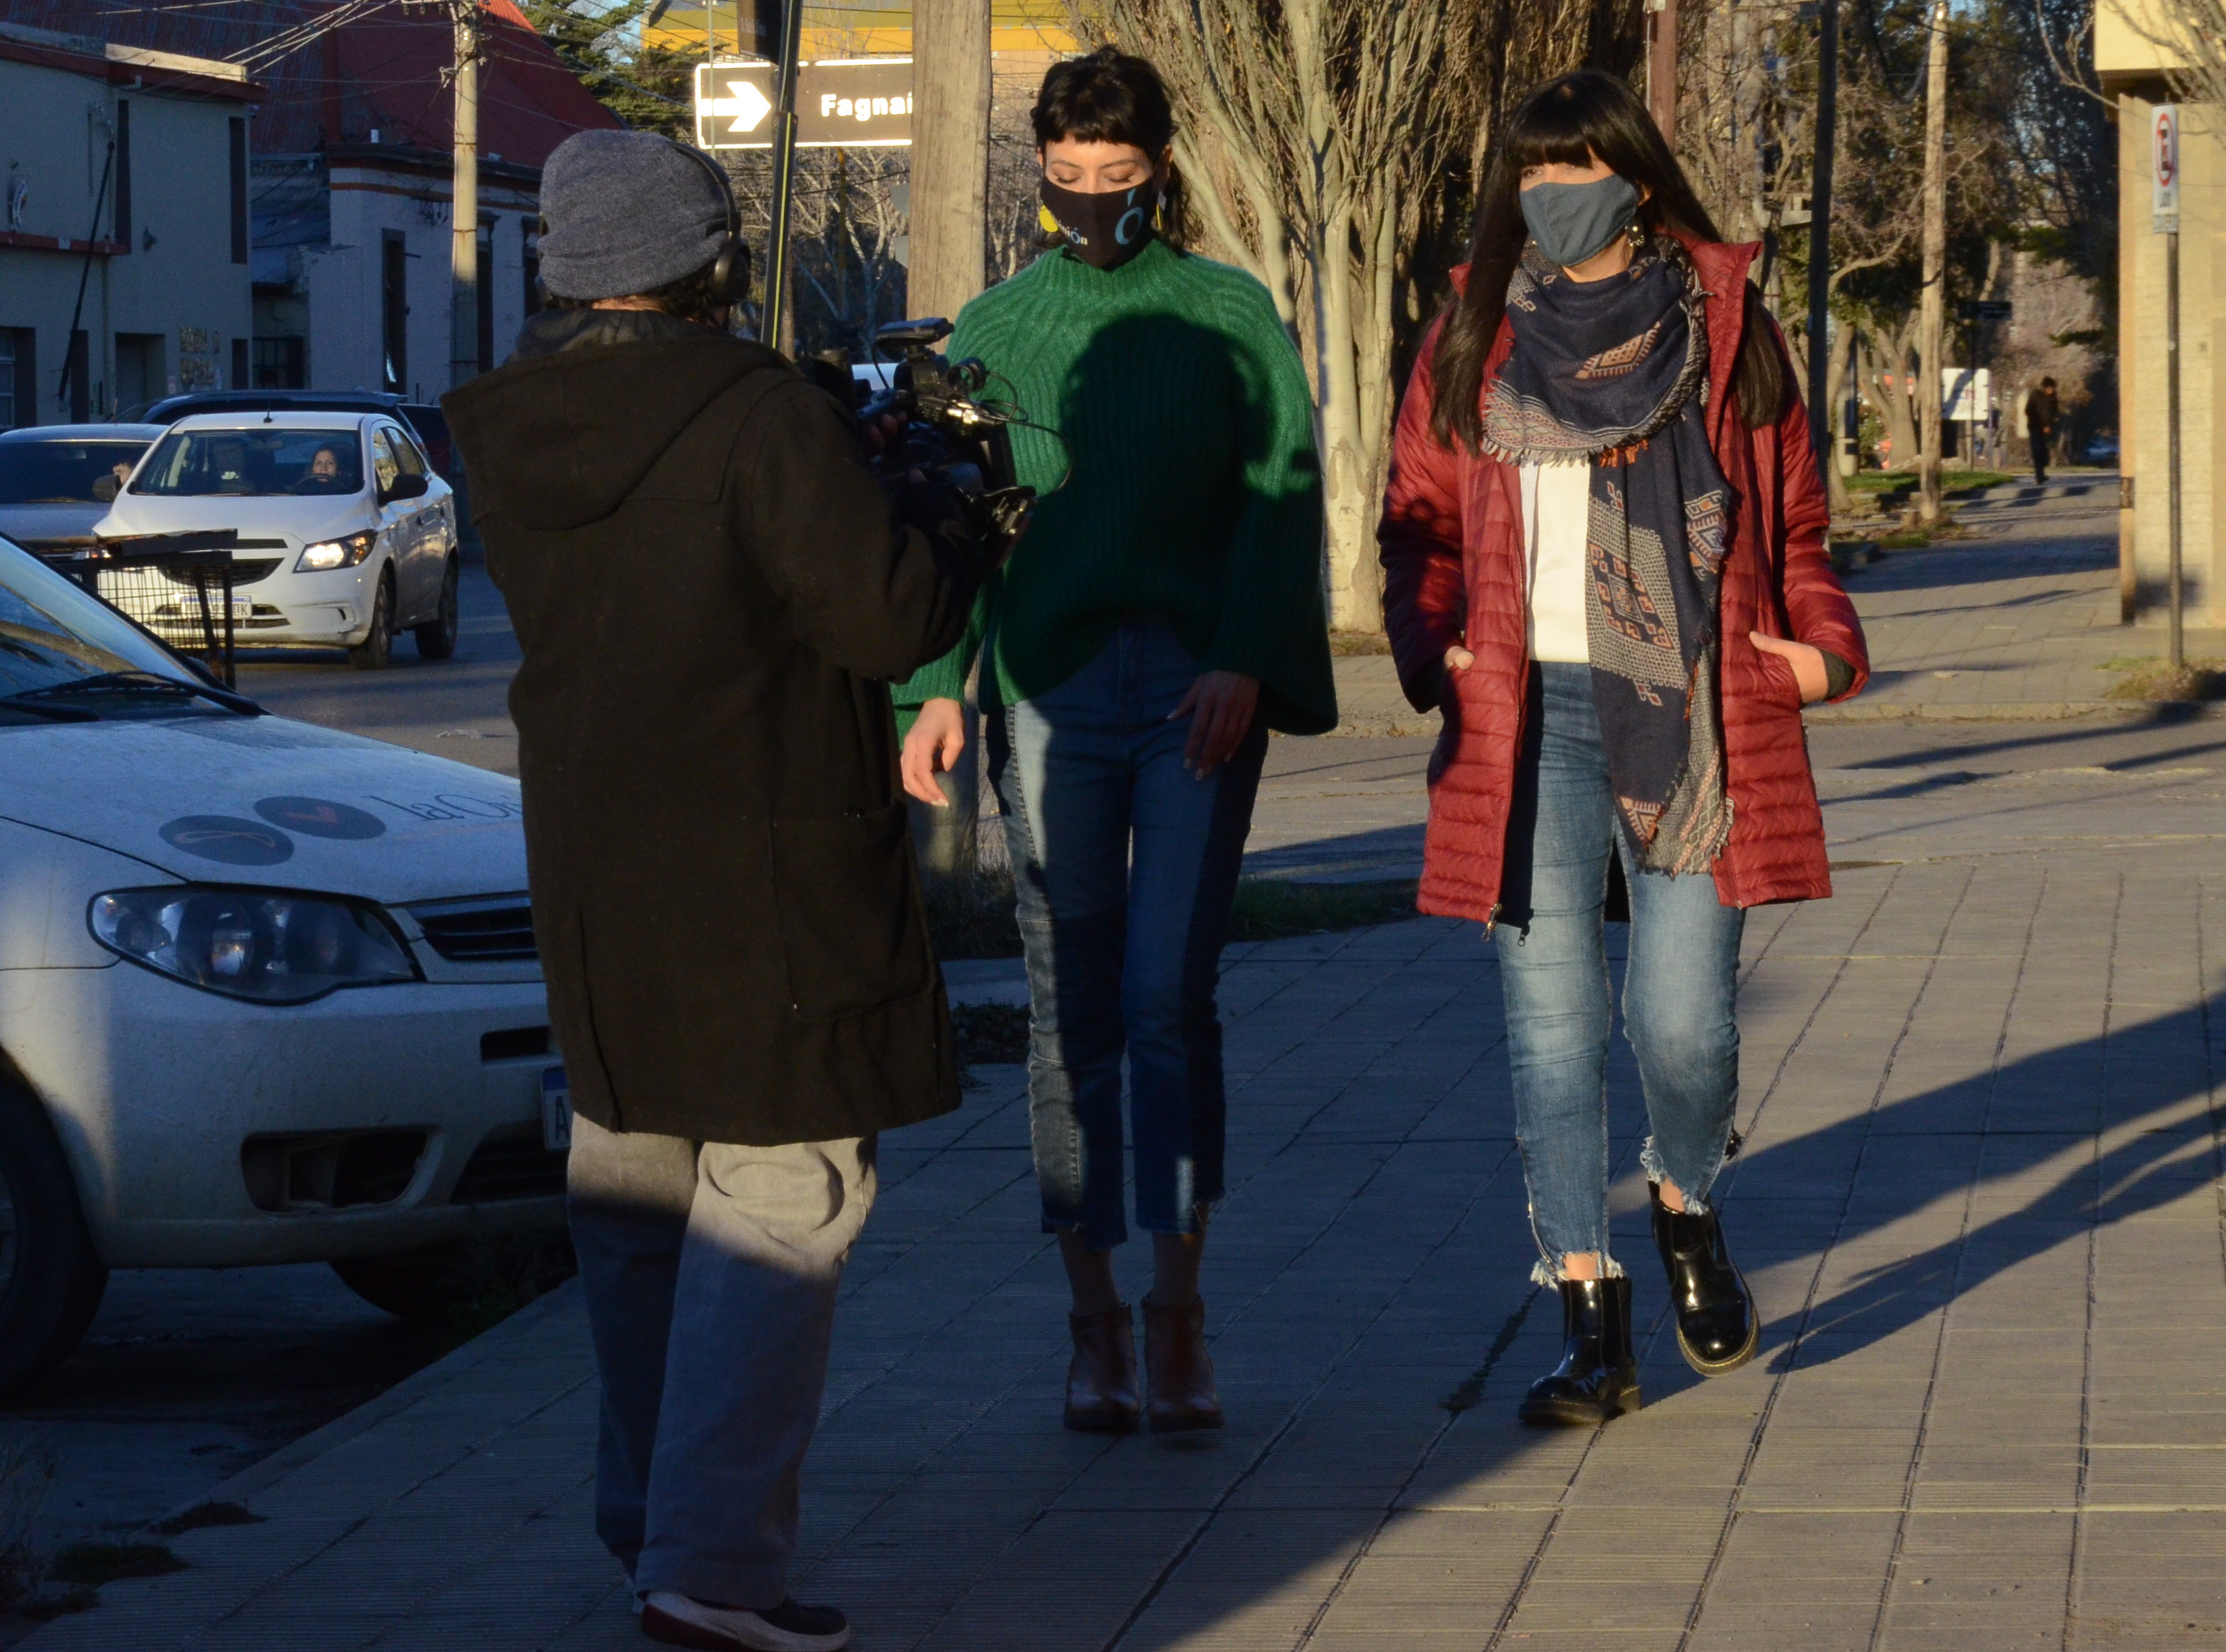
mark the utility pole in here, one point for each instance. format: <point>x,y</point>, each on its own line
<point>1822,437</point>
<point>949,265</point>
<point>1661,66</point>
<point>464,209</point>
<point>778,324</point>
<point>949,155</point>
<point>1931,313</point>
<point>2164,178</point>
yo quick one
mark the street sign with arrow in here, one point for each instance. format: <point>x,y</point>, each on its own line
<point>849,103</point>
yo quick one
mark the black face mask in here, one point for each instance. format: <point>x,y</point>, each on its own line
<point>1104,231</point>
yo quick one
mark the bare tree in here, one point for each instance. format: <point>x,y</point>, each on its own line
<point>1317,138</point>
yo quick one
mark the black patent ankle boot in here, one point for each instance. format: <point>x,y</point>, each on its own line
<point>1717,1327</point>
<point>1598,1377</point>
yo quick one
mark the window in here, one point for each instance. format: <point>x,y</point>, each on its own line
<point>279,364</point>
<point>238,191</point>
<point>257,461</point>
<point>384,466</point>
<point>65,472</point>
<point>405,450</point>
<point>483,291</point>
<point>7,419</point>
<point>394,310</point>
<point>239,368</point>
<point>124,173</point>
<point>529,263</point>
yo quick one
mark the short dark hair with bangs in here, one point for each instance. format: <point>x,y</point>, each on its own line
<point>1570,119</point>
<point>1110,96</point>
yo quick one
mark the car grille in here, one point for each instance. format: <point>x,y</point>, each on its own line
<point>499,930</point>
<point>244,571</point>
<point>510,1164</point>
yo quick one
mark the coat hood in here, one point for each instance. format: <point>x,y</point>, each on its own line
<point>563,432</point>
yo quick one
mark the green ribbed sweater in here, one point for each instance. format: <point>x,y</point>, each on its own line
<point>1196,493</point>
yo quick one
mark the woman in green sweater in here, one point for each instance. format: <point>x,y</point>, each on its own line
<point>1162,614</point>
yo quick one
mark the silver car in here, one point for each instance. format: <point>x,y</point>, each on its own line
<point>58,481</point>
<point>346,534</point>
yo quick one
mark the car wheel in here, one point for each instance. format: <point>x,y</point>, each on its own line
<point>376,651</point>
<point>51,1279</point>
<point>412,1286</point>
<point>436,637</point>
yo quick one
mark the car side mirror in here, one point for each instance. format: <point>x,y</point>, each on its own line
<point>405,486</point>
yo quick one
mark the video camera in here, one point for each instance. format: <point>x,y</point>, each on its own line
<point>951,429</point>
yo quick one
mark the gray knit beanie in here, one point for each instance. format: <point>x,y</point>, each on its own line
<point>626,213</point>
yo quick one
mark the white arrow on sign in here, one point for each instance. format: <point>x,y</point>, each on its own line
<point>748,107</point>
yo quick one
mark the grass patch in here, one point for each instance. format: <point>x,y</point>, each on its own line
<point>1273,909</point>
<point>973,919</point>
<point>1347,644</point>
<point>491,1279</point>
<point>1951,481</point>
<point>994,1034</point>
<point>2148,677</point>
<point>91,1565</point>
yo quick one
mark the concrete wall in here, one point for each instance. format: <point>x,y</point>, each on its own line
<point>55,126</point>
<point>2144,433</point>
<point>345,336</point>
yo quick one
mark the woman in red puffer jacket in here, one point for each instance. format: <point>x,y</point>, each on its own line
<point>1603,544</point>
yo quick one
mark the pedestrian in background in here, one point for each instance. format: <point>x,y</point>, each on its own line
<point>1605,560</point>
<point>710,590</point>
<point>2042,416</point>
<point>1163,613</point>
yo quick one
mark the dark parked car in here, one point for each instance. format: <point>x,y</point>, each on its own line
<point>58,481</point>
<point>424,418</point>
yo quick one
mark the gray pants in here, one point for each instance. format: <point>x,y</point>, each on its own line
<point>709,1271</point>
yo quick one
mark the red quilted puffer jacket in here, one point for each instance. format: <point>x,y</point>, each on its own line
<point>1454,568</point>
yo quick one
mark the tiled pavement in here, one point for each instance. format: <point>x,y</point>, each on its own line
<point>1979,1206</point>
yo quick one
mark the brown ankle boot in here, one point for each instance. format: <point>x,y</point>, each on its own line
<point>1180,1370</point>
<point>1100,1383</point>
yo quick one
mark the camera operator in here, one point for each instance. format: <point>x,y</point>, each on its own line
<point>711,592</point>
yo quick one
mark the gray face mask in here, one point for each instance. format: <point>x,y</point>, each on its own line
<point>1572,221</point>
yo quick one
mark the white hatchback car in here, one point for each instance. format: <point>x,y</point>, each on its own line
<point>268,992</point>
<point>345,534</point>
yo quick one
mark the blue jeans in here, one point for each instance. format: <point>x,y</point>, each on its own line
<point>1126,865</point>
<point>1679,985</point>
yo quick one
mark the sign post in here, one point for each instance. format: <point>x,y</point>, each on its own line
<point>2164,205</point>
<point>848,103</point>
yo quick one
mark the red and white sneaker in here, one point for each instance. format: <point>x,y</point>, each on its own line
<point>678,1620</point>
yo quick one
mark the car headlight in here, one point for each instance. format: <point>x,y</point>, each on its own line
<point>271,949</point>
<point>328,554</point>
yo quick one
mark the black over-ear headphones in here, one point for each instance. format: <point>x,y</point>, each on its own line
<point>730,272</point>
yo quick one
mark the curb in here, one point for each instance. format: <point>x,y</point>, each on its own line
<point>409,1391</point>
<point>2014,711</point>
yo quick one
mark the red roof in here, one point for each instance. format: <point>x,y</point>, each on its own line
<point>379,70</point>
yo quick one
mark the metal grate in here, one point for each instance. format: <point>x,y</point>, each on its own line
<point>510,1164</point>
<point>499,930</point>
<point>178,586</point>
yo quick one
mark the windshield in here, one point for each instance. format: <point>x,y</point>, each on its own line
<point>52,632</point>
<point>65,472</point>
<point>255,460</point>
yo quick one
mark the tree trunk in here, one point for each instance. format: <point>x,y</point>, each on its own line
<point>1931,315</point>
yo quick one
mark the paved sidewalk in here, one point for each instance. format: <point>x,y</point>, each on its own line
<point>1980,1204</point>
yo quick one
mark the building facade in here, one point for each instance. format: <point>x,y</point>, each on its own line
<point>341,212</point>
<point>125,260</point>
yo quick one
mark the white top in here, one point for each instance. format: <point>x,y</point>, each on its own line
<point>1556,514</point>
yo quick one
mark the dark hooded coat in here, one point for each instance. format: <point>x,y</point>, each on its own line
<point>712,591</point>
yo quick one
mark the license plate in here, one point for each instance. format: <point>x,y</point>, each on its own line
<point>556,1110</point>
<point>243,607</point>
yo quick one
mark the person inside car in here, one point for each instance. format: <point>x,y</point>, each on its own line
<point>323,475</point>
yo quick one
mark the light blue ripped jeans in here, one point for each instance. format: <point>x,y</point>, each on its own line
<point>1679,985</point>
<point>1126,864</point>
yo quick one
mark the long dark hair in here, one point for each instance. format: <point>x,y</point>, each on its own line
<point>1110,96</point>
<point>1571,119</point>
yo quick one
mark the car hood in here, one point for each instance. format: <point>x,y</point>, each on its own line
<point>28,523</point>
<point>303,519</point>
<point>270,802</point>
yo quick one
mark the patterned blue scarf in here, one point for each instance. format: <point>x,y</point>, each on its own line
<point>1613,374</point>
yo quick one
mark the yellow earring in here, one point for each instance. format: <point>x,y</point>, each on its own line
<point>1050,223</point>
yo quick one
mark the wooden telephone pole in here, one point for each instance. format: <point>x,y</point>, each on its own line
<point>949,265</point>
<point>1661,66</point>
<point>464,204</point>
<point>1931,313</point>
